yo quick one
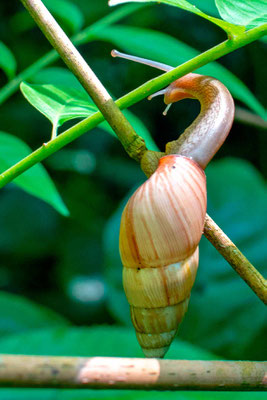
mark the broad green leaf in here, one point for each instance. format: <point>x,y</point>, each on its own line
<point>68,12</point>
<point>101,341</point>
<point>7,61</point>
<point>250,13</point>
<point>109,341</point>
<point>56,76</point>
<point>17,314</point>
<point>166,49</point>
<point>61,103</point>
<point>77,160</point>
<point>220,302</point>
<point>36,180</point>
<point>208,6</point>
<point>117,303</point>
<point>231,29</point>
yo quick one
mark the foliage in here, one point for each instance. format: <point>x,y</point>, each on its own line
<point>250,13</point>
<point>7,61</point>
<point>68,100</point>
<point>56,272</point>
<point>36,180</point>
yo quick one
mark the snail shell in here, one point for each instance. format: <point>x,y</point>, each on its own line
<point>161,227</point>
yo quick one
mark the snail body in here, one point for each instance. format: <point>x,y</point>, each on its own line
<point>163,221</point>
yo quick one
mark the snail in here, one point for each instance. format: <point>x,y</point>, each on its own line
<point>163,221</point>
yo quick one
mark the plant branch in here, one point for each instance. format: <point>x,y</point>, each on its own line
<point>126,101</point>
<point>131,141</point>
<point>85,36</point>
<point>236,259</point>
<point>129,99</point>
<point>131,373</point>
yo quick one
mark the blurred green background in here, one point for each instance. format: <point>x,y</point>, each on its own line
<point>58,272</point>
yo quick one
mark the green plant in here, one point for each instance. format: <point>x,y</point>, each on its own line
<point>60,97</point>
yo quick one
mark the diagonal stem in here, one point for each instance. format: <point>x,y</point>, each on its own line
<point>136,95</point>
<point>236,259</point>
<point>129,99</point>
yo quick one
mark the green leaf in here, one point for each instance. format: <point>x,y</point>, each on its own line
<point>109,341</point>
<point>17,314</point>
<point>250,13</point>
<point>59,104</point>
<point>56,76</point>
<point>68,100</point>
<point>77,160</point>
<point>224,315</point>
<point>117,303</point>
<point>67,12</point>
<point>229,28</point>
<point>7,61</point>
<point>208,6</point>
<point>36,180</point>
<point>166,49</point>
<point>101,341</point>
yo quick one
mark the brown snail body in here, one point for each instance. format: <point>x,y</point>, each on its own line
<point>163,221</point>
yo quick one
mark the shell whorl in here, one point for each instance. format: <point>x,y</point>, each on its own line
<point>161,227</point>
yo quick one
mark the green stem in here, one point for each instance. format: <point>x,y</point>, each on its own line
<point>85,36</point>
<point>202,59</point>
<point>133,97</point>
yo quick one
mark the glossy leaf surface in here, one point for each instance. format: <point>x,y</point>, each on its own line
<point>250,13</point>
<point>66,100</point>
<point>7,61</point>
<point>187,6</point>
<point>19,314</point>
<point>36,180</point>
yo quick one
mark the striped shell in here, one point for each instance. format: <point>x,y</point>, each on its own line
<point>161,227</point>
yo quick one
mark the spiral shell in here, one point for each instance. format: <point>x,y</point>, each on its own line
<point>161,227</point>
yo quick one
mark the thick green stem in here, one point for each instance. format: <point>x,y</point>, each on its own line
<point>202,59</point>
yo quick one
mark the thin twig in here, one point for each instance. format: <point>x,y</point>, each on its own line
<point>131,373</point>
<point>236,259</point>
<point>131,141</point>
